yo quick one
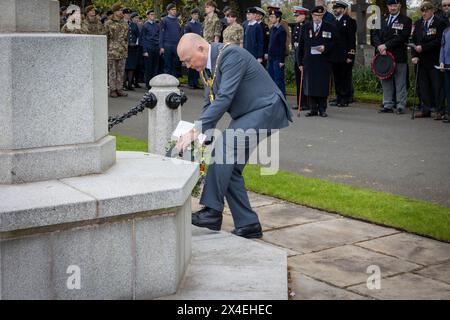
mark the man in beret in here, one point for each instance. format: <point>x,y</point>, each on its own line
<point>194,26</point>
<point>343,55</point>
<point>300,14</point>
<point>393,37</point>
<point>116,30</point>
<point>169,36</point>
<point>150,42</point>
<point>427,37</point>
<point>316,45</point>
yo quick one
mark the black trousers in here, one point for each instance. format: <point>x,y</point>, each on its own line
<point>342,74</point>
<point>298,75</point>
<point>317,104</point>
<point>151,66</point>
<point>431,84</point>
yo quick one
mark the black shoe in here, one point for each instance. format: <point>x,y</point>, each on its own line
<point>323,114</point>
<point>400,111</point>
<point>249,232</point>
<point>311,114</point>
<point>207,218</point>
<point>446,121</point>
<point>384,110</point>
<point>137,86</point>
<point>343,105</point>
<point>130,88</point>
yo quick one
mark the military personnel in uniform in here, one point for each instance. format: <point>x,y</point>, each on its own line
<point>92,22</point>
<point>212,27</point>
<point>116,30</point>
<point>427,37</point>
<point>393,37</point>
<point>234,33</point>
<point>169,36</point>
<point>300,14</point>
<point>194,26</point>
<point>277,50</point>
<point>286,28</point>
<point>260,14</point>
<point>133,47</point>
<point>74,23</point>
<point>316,44</point>
<point>253,36</point>
<point>343,56</point>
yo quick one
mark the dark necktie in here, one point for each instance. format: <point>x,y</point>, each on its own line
<point>208,73</point>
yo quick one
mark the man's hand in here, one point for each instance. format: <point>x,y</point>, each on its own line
<point>161,51</point>
<point>415,60</point>
<point>321,49</point>
<point>301,68</point>
<point>260,60</point>
<point>281,65</point>
<point>349,60</point>
<point>419,49</point>
<point>382,49</point>
<point>145,54</point>
<point>442,67</point>
<point>185,140</point>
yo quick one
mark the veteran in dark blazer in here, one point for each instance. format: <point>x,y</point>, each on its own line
<point>316,45</point>
<point>237,84</point>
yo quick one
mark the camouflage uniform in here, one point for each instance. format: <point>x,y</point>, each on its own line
<point>234,34</point>
<point>94,26</point>
<point>212,27</point>
<point>117,35</point>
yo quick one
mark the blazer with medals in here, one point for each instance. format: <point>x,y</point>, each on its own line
<point>317,67</point>
<point>346,44</point>
<point>430,40</point>
<point>395,36</point>
<point>244,89</point>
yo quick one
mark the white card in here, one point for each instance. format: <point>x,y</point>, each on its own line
<point>314,50</point>
<point>182,128</point>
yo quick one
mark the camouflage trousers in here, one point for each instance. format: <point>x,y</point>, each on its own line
<point>116,70</point>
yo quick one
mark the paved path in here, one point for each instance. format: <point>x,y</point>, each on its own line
<point>354,145</point>
<point>328,255</point>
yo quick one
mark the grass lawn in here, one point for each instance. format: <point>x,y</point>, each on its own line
<point>387,209</point>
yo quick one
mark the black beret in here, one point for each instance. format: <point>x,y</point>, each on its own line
<point>251,10</point>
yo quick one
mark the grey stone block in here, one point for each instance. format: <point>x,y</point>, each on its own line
<point>25,269</point>
<point>29,165</point>
<point>43,204</point>
<point>439,272</point>
<point>105,258</point>
<point>62,66</point>
<point>139,182</point>
<point>156,257</point>
<point>42,16</point>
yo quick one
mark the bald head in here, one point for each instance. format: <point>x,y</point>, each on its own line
<point>193,50</point>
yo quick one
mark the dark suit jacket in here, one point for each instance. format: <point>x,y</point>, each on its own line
<point>395,37</point>
<point>346,40</point>
<point>430,41</point>
<point>244,89</point>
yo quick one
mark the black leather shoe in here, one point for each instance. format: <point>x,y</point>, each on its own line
<point>334,103</point>
<point>400,111</point>
<point>343,105</point>
<point>207,218</point>
<point>323,114</point>
<point>251,231</point>
<point>384,110</point>
<point>311,114</point>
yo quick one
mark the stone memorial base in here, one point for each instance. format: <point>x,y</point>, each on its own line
<point>123,234</point>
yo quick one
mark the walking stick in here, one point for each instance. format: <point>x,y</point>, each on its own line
<point>413,115</point>
<point>300,95</point>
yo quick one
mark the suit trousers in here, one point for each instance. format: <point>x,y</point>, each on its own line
<point>342,74</point>
<point>171,60</point>
<point>224,177</point>
<point>447,90</point>
<point>277,74</point>
<point>394,89</point>
<point>431,83</point>
<point>151,64</point>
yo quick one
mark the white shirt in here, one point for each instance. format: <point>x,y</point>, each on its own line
<point>317,26</point>
<point>252,22</point>
<point>392,18</point>
<point>208,63</point>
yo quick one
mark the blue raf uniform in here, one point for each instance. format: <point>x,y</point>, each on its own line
<point>254,38</point>
<point>150,42</point>
<point>193,26</point>
<point>169,36</point>
<point>133,50</point>
<point>276,51</point>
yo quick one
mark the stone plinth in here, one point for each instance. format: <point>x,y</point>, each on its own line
<point>162,120</point>
<point>53,106</point>
<point>126,231</point>
<point>16,16</point>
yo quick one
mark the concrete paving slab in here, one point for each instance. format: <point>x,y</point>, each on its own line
<point>324,235</point>
<point>407,287</point>
<point>259,200</point>
<point>347,265</point>
<point>440,272</point>
<point>411,247</point>
<point>306,288</point>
